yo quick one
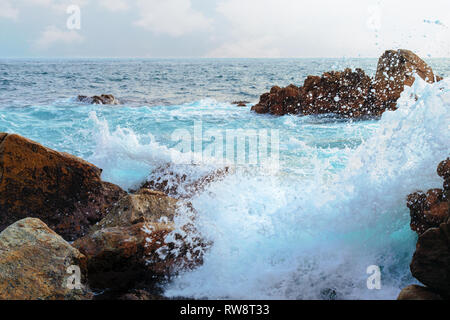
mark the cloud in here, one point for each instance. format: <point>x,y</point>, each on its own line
<point>327,28</point>
<point>114,5</point>
<point>52,35</point>
<point>7,10</point>
<point>172,17</point>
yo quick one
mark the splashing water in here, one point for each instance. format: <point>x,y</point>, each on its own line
<point>307,231</point>
<point>277,237</point>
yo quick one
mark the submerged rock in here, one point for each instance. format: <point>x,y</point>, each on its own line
<point>34,264</point>
<point>103,99</point>
<point>64,191</point>
<point>350,94</point>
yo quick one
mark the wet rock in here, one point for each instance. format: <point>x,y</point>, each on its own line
<point>343,93</point>
<point>427,210</point>
<point>64,191</point>
<point>103,99</point>
<point>119,257</point>
<point>350,94</point>
<point>431,261</point>
<point>34,262</point>
<point>396,70</point>
<point>145,206</point>
<point>415,292</point>
<point>130,247</point>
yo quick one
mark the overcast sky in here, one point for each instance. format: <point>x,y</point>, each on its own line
<point>223,28</point>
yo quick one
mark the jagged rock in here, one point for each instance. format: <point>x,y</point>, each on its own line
<point>427,210</point>
<point>103,99</point>
<point>64,191</point>
<point>119,257</point>
<point>145,206</point>
<point>415,292</point>
<point>431,261</point>
<point>395,71</point>
<point>34,262</point>
<point>349,94</point>
<point>129,245</point>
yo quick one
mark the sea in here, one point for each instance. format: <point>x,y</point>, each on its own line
<point>313,207</point>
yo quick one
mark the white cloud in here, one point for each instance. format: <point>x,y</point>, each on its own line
<point>328,28</point>
<point>52,35</point>
<point>172,17</point>
<point>7,10</point>
<point>114,5</point>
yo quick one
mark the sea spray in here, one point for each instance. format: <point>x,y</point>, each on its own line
<point>280,238</point>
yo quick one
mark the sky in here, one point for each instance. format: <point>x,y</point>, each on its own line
<point>223,28</point>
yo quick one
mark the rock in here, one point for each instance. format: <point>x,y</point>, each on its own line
<point>427,210</point>
<point>349,94</point>
<point>240,103</point>
<point>129,247</point>
<point>415,292</point>
<point>395,71</point>
<point>118,257</point>
<point>343,93</point>
<point>64,191</point>
<point>34,262</point>
<point>145,206</point>
<point>279,101</point>
<point>431,261</point>
<point>103,99</point>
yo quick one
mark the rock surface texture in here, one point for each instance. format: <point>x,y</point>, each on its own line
<point>64,191</point>
<point>430,218</point>
<point>350,94</point>
<point>34,264</point>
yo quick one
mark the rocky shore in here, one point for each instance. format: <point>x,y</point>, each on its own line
<point>49,199</point>
<point>350,94</point>
<point>65,234</point>
<point>430,218</point>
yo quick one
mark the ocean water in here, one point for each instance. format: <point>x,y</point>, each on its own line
<point>304,225</point>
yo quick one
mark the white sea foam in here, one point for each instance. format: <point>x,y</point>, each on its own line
<point>308,235</point>
<point>282,239</point>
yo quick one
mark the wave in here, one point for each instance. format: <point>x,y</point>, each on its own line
<point>281,236</point>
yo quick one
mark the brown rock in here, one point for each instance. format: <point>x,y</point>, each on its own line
<point>145,206</point>
<point>34,262</point>
<point>349,94</point>
<point>395,70</point>
<point>121,257</point>
<point>415,292</point>
<point>431,261</point>
<point>129,247</point>
<point>343,93</point>
<point>62,190</point>
<point>427,210</point>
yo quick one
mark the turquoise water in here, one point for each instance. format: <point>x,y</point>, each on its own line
<point>306,225</point>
